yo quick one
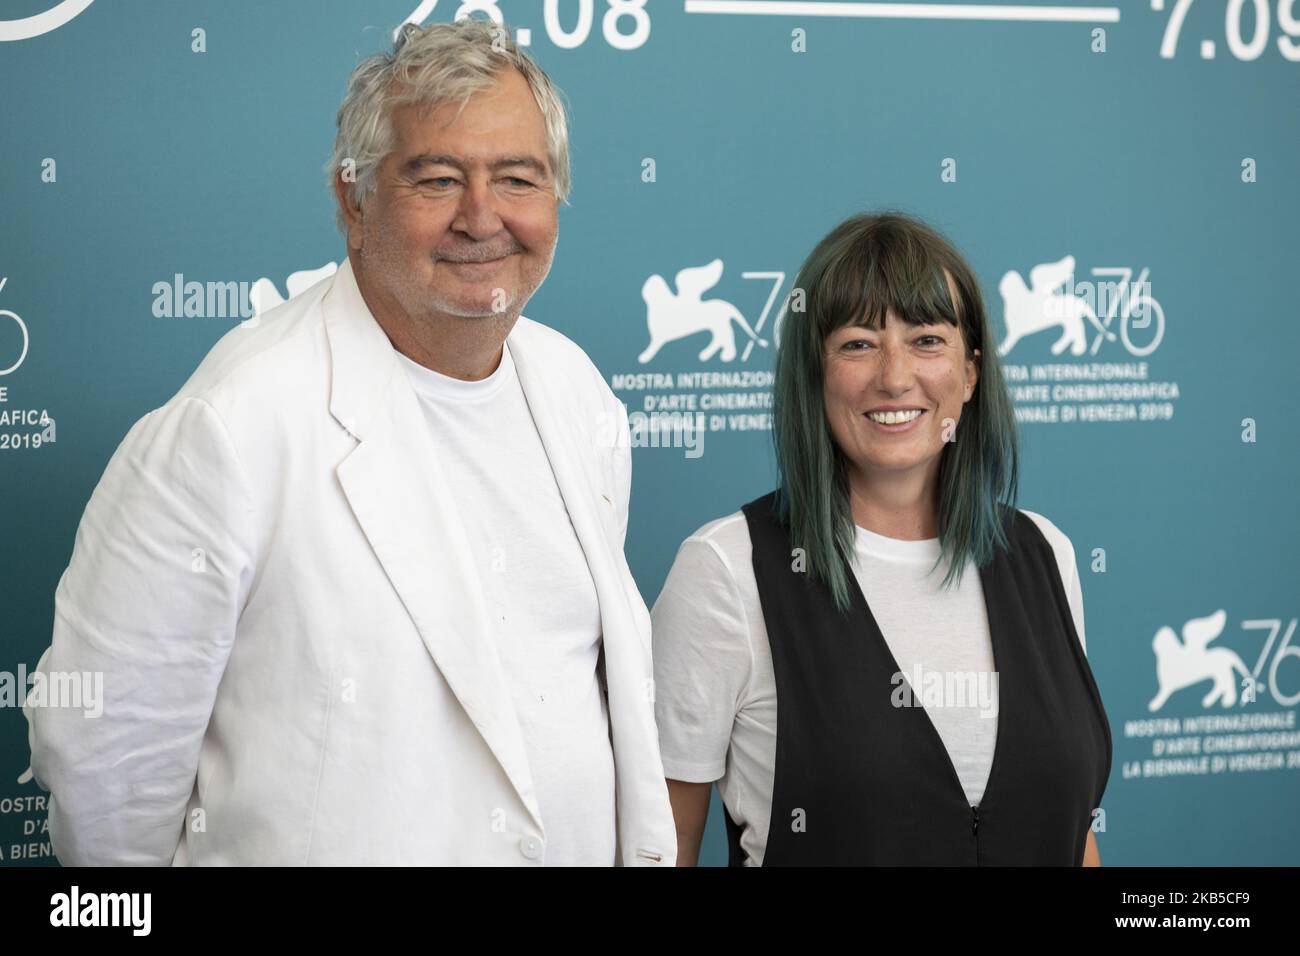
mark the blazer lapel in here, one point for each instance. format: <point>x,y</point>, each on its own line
<point>395,486</point>
<point>644,818</point>
<point>567,453</point>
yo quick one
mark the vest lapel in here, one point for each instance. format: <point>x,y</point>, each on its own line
<point>989,582</point>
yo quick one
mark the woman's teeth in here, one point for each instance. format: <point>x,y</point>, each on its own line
<point>894,418</point>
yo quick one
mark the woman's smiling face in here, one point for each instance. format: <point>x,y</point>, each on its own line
<point>894,396</point>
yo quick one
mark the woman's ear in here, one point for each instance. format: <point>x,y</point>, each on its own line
<point>972,374</point>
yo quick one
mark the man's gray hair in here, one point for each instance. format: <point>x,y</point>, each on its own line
<point>432,66</point>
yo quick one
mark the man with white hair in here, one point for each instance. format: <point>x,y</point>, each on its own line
<point>358,590</point>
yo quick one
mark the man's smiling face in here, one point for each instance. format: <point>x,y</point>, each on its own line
<point>463,220</point>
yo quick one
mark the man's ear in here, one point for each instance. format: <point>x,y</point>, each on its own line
<point>352,213</point>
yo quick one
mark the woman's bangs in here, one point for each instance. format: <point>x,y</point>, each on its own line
<point>862,289</point>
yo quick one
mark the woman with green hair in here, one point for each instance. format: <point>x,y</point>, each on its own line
<point>919,637</point>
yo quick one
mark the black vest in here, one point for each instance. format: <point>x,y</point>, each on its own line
<point>859,781</point>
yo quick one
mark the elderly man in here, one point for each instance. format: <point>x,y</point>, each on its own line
<point>358,590</point>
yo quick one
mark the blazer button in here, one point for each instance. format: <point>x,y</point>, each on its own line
<point>531,847</point>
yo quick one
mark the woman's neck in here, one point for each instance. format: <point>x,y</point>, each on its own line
<point>902,505</point>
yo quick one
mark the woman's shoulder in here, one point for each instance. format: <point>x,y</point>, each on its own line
<point>1063,551</point>
<point>1062,547</point>
<point>1049,529</point>
<point>726,537</point>
<point>710,595</point>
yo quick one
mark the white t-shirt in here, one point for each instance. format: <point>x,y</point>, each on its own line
<point>715,693</point>
<point>540,595</point>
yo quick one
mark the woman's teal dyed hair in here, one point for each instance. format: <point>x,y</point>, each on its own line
<point>865,267</point>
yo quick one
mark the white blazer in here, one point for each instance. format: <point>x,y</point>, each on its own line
<point>297,668</point>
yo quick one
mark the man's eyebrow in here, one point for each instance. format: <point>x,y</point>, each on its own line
<point>415,163</point>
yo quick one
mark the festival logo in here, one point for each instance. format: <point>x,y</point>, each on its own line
<point>692,382</point>
<point>1113,310</point>
<point>677,315</point>
<point>7,368</point>
<point>25,422</point>
<point>1244,717</point>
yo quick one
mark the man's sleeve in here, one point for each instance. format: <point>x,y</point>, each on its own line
<point>146,614</point>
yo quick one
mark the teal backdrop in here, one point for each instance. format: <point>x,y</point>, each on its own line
<point>1123,178</point>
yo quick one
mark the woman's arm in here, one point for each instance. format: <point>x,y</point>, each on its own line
<point>1090,855</point>
<point>690,812</point>
<point>702,662</point>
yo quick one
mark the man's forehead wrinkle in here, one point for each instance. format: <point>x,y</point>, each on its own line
<point>420,160</point>
<point>507,141</point>
<point>425,108</point>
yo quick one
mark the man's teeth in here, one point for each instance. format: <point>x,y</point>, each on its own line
<point>894,418</point>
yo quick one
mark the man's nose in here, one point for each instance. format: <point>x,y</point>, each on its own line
<point>476,216</point>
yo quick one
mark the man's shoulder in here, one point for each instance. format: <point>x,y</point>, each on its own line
<point>278,353</point>
<point>573,368</point>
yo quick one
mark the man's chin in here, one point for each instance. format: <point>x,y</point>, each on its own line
<point>472,309</point>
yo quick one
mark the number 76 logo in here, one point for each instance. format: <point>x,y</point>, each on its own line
<point>22,328</point>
